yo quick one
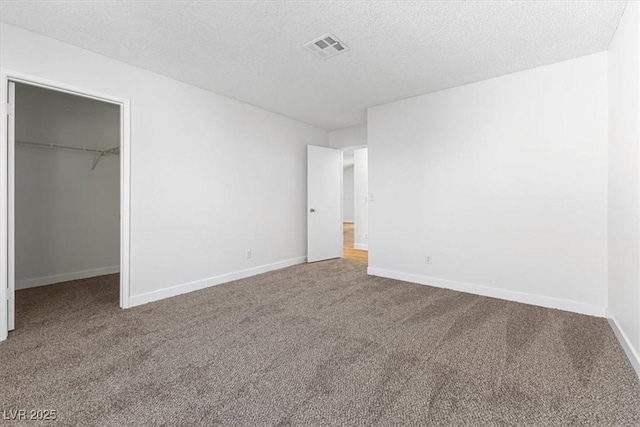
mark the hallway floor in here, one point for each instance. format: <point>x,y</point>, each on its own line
<point>348,252</point>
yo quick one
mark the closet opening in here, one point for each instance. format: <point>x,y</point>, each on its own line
<point>64,193</point>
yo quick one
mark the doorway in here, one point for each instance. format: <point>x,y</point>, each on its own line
<point>355,208</point>
<point>66,190</point>
<point>334,228</point>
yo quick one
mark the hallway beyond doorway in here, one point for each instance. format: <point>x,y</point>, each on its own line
<point>348,252</point>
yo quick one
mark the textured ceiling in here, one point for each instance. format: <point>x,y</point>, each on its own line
<point>252,51</point>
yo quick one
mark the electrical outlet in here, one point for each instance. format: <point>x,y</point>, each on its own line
<point>427,259</point>
<point>248,253</point>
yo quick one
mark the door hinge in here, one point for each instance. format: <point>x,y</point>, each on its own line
<point>10,109</point>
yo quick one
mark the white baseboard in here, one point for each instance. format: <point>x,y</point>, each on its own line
<point>549,302</point>
<point>632,354</point>
<point>58,278</point>
<point>211,281</point>
<point>348,221</point>
<point>361,246</point>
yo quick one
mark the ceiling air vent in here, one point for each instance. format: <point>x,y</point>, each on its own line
<point>326,46</point>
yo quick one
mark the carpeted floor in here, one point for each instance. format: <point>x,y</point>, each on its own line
<point>319,344</point>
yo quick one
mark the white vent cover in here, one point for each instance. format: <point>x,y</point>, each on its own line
<point>326,46</point>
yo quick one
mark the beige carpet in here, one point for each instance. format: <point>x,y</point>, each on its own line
<point>320,344</point>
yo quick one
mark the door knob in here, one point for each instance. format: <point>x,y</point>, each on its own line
<point>312,210</point>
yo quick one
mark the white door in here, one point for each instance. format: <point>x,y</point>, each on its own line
<point>324,203</point>
<point>11,143</point>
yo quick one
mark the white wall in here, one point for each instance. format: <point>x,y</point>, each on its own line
<point>503,182</point>
<point>361,209</point>
<point>348,137</point>
<point>210,176</point>
<point>347,194</point>
<point>67,216</point>
<point>624,178</point>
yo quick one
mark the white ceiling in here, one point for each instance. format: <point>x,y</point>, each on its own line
<point>252,50</point>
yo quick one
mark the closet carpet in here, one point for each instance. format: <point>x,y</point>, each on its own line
<point>319,344</point>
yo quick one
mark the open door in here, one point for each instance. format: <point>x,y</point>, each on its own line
<point>11,145</point>
<point>324,203</point>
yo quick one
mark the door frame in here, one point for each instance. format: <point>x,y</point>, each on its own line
<point>7,163</point>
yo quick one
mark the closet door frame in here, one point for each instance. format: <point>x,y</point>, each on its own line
<point>7,251</point>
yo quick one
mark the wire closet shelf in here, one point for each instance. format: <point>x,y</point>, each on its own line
<point>99,153</point>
